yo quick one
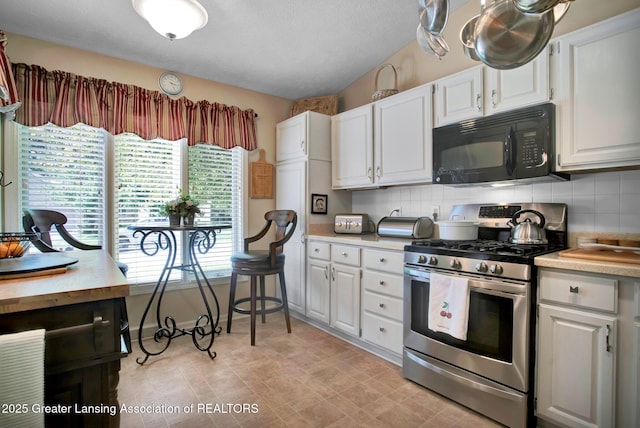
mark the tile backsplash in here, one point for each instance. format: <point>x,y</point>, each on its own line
<point>597,202</point>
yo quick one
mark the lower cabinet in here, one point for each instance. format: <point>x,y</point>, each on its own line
<point>588,349</point>
<point>357,290</point>
<point>82,358</point>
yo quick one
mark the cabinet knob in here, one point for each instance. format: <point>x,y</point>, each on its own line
<point>343,254</point>
<point>381,329</point>
<point>382,260</point>
<point>381,305</point>
<point>317,250</point>
<point>381,282</point>
<point>574,290</point>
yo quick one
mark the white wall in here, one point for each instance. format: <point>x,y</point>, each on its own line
<point>599,202</point>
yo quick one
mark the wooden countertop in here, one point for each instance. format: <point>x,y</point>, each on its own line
<point>554,260</point>
<point>94,277</point>
<point>367,240</point>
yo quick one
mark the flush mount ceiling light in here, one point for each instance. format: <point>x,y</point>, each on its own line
<point>174,19</point>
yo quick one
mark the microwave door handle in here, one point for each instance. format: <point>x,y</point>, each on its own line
<point>509,151</point>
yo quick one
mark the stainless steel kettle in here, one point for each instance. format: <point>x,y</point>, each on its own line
<point>527,231</point>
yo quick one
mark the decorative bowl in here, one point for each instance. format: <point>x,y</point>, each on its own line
<point>15,244</point>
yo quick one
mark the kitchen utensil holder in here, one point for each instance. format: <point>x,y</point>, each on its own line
<point>383,93</point>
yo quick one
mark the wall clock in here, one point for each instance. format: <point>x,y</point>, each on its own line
<point>170,83</point>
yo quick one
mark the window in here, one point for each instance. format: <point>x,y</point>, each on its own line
<point>68,170</point>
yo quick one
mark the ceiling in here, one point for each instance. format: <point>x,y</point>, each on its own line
<point>289,48</point>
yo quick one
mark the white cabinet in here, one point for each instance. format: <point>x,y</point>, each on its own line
<point>345,289</point>
<point>306,135</point>
<point>301,171</point>
<point>520,87</point>
<point>459,97</point>
<point>352,148</point>
<point>291,195</point>
<point>577,348</point>
<point>318,281</point>
<point>403,138</point>
<point>382,303</point>
<point>598,95</point>
<point>392,148</point>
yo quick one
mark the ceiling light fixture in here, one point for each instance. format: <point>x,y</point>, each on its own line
<point>173,19</point>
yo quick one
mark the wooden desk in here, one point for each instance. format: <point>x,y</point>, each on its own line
<point>83,311</point>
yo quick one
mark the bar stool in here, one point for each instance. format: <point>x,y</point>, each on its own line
<point>259,263</point>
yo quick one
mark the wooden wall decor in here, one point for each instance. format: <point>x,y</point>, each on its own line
<point>262,178</point>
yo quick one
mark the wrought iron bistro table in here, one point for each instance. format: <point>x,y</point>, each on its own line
<point>156,237</point>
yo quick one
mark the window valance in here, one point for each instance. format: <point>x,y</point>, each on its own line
<point>65,99</point>
<point>9,100</point>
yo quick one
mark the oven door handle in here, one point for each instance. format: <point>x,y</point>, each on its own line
<point>502,287</point>
<point>508,395</point>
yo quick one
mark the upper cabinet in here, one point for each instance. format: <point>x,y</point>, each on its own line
<point>483,90</point>
<point>384,143</point>
<point>403,137</point>
<point>598,95</point>
<point>459,97</point>
<point>352,148</point>
<point>295,137</point>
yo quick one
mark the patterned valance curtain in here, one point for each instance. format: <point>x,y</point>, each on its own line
<point>9,100</point>
<point>65,99</point>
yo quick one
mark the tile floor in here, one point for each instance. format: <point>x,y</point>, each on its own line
<point>304,379</point>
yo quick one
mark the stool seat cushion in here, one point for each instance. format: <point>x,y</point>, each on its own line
<point>255,257</point>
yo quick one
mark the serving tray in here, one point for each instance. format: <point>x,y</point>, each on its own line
<point>37,264</point>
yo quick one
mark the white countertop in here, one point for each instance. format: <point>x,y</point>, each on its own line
<point>366,240</point>
<point>553,260</point>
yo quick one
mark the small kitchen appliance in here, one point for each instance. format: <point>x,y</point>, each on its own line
<point>353,224</point>
<point>516,145</point>
<point>492,370</point>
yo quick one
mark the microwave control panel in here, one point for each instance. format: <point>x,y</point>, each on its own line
<point>531,150</point>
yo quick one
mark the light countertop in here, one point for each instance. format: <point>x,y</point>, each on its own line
<point>553,260</point>
<point>95,277</point>
<point>366,240</point>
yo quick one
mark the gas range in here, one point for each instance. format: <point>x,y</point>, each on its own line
<point>491,254</point>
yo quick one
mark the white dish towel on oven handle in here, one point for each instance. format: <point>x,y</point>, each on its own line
<point>449,305</point>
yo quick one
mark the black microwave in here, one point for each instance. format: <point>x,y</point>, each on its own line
<point>516,145</point>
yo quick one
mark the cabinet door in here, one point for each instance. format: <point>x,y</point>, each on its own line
<point>318,290</point>
<point>520,87</point>
<point>459,97</point>
<point>290,195</point>
<point>599,95</point>
<point>345,299</point>
<point>352,148</point>
<point>575,383</point>
<point>291,138</point>
<point>403,138</point>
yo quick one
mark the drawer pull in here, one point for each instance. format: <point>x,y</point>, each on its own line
<point>343,254</point>
<point>381,329</point>
<point>317,250</point>
<point>98,324</point>
<point>382,260</point>
<point>381,282</point>
<point>607,344</point>
<point>326,272</point>
<point>333,274</point>
<point>575,289</point>
<point>381,305</point>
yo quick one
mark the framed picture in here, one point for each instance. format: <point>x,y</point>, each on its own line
<point>318,204</point>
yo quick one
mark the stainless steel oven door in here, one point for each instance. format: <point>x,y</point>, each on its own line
<point>498,334</point>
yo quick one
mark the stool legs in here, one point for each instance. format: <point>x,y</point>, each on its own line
<point>263,301</point>
<point>285,304</point>
<point>232,300</point>
<point>253,310</point>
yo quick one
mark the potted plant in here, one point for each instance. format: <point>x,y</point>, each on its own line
<point>184,206</point>
<point>171,209</point>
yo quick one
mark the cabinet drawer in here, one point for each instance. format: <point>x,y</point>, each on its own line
<point>319,250</point>
<point>390,307</point>
<point>383,283</point>
<point>83,331</point>
<point>345,254</point>
<point>382,332</point>
<point>586,291</point>
<point>387,261</point>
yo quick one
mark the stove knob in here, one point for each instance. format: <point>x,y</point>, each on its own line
<point>433,261</point>
<point>496,269</point>
<point>481,267</point>
<point>422,259</point>
<point>455,264</point>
